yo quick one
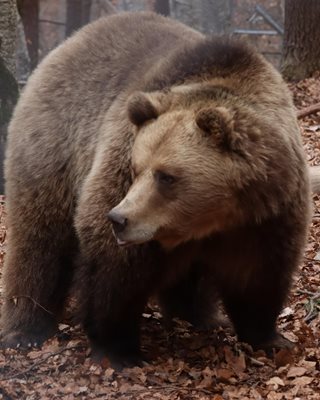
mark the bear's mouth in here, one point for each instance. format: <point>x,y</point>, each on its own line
<point>125,239</point>
<point>127,243</point>
<point>123,243</point>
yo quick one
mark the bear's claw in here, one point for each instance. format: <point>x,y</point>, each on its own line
<point>24,340</point>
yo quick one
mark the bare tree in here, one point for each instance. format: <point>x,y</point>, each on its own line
<point>162,7</point>
<point>78,14</point>
<point>209,16</point>
<point>301,49</point>
<point>8,86</point>
<point>215,16</point>
<point>100,8</point>
<point>29,11</point>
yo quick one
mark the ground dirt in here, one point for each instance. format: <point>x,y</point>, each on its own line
<point>188,364</point>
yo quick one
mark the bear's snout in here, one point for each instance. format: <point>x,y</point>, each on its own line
<point>119,222</point>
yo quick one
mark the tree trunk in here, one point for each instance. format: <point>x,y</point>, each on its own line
<point>8,20</point>
<point>78,14</point>
<point>8,85</point>
<point>301,49</point>
<point>29,11</point>
<point>162,7</point>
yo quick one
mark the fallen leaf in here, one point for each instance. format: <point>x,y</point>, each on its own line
<point>224,374</point>
<point>317,256</point>
<point>313,128</point>
<point>286,312</point>
<point>275,382</point>
<point>296,371</point>
<point>309,365</point>
<point>274,396</point>
<point>236,361</point>
<point>290,336</point>
<point>301,381</point>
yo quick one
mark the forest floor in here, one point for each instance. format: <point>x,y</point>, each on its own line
<point>188,364</point>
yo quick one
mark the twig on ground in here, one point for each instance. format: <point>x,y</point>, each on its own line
<point>36,364</point>
<point>170,388</point>
<point>313,294</point>
<point>308,110</point>
<point>312,305</point>
<point>256,362</point>
<point>309,259</point>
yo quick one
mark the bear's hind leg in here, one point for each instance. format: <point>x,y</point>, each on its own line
<point>254,268</point>
<point>37,272</point>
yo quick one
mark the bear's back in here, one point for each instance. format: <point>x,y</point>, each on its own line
<point>107,56</point>
<point>63,105</point>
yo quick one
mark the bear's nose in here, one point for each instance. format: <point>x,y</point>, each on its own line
<point>119,222</point>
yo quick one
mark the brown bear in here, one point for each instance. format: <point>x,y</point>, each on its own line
<point>146,158</point>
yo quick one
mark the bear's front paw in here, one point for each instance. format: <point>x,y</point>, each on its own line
<point>21,340</point>
<point>278,342</point>
<point>118,360</point>
<point>18,339</point>
<point>215,322</point>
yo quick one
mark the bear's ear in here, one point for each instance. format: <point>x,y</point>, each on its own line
<point>230,130</point>
<point>215,122</point>
<point>145,106</point>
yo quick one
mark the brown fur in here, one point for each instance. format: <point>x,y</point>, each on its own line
<point>193,145</point>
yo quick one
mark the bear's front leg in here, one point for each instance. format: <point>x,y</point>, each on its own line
<point>253,271</point>
<point>116,337</point>
<point>193,298</point>
<point>114,288</point>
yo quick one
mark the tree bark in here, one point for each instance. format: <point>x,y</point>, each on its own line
<point>301,49</point>
<point>8,85</point>
<point>8,20</point>
<point>78,14</point>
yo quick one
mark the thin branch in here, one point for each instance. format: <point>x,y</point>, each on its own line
<point>107,7</point>
<point>311,259</point>
<point>313,294</point>
<point>15,299</point>
<point>36,364</point>
<point>256,362</point>
<point>49,21</point>
<point>312,304</point>
<point>308,110</point>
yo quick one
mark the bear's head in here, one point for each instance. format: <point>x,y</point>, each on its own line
<point>189,159</point>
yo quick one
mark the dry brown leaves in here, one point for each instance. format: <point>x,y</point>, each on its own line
<point>187,364</point>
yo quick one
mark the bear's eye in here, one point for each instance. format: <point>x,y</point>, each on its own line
<point>164,179</point>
